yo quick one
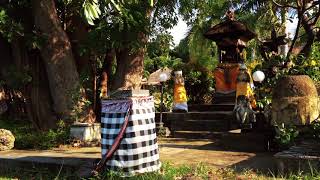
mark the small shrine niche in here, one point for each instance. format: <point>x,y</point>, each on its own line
<point>231,37</point>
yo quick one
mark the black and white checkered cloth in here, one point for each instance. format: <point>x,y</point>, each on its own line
<point>138,151</point>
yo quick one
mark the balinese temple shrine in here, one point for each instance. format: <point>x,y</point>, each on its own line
<point>231,37</point>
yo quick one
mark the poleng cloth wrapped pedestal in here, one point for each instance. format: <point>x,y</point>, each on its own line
<point>138,150</point>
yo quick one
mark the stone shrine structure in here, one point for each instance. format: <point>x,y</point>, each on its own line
<point>231,37</point>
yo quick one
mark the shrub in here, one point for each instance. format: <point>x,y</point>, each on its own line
<point>315,129</point>
<point>28,138</point>
<point>286,136</point>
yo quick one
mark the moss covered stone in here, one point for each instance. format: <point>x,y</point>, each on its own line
<point>295,101</point>
<point>6,140</point>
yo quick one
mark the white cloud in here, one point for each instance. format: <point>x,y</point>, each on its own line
<point>179,31</point>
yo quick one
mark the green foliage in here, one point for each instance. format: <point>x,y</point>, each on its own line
<point>167,99</point>
<point>168,171</point>
<point>285,136</point>
<point>199,84</point>
<point>310,66</point>
<point>263,102</point>
<point>8,27</point>
<point>28,138</point>
<point>16,79</point>
<point>315,129</point>
<point>121,23</point>
<point>160,45</point>
<point>91,10</point>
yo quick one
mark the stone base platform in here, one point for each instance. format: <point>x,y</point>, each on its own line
<point>86,132</point>
<point>304,157</point>
<point>76,161</point>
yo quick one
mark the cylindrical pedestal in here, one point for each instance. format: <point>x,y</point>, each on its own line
<point>138,150</point>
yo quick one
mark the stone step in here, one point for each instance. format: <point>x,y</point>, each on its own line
<point>197,134</point>
<point>200,125</point>
<point>205,115</point>
<point>208,115</point>
<point>197,121</point>
<point>224,98</point>
<point>211,107</point>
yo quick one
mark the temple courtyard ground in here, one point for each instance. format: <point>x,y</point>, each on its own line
<point>234,150</point>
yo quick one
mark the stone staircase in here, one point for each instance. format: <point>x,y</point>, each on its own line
<point>202,120</point>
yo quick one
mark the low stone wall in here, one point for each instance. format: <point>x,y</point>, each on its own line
<point>86,132</point>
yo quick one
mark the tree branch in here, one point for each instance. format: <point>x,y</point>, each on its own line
<point>316,16</point>
<point>295,35</point>
<point>313,5</point>
<point>283,6</point>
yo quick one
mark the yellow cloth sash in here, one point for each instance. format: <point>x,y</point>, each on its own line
<point>179,94</point>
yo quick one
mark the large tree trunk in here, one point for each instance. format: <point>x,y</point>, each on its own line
<point>39,100</point>
<point>78,33</point>
<point>58,58</point>
<point>6,57</point>
<point>129,69</point>
<point>36,97</point>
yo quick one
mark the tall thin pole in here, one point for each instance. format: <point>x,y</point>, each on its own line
<point>161,104</point>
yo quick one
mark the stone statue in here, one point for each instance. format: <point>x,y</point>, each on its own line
<point>245,116</point>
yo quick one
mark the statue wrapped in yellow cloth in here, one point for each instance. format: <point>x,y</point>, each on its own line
<point>245,99</point>
<point>179,94</point>
<point>245,85</point>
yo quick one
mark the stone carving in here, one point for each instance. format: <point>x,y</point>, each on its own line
<point>243,111</point>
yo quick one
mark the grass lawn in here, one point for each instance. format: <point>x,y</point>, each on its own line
<point>167,172</point>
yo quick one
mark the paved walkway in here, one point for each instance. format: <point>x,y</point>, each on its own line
<point>212,153</point>
<point>225,151</point>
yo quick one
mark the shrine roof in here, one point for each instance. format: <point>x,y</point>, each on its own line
<point>232,29</point>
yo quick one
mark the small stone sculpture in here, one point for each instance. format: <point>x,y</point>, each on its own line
<point>6,140</point>
<point>180,94</point>
<point>245,116</point>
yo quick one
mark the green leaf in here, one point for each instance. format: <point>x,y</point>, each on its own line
<point>93,11</point>
<point>116,5</point>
